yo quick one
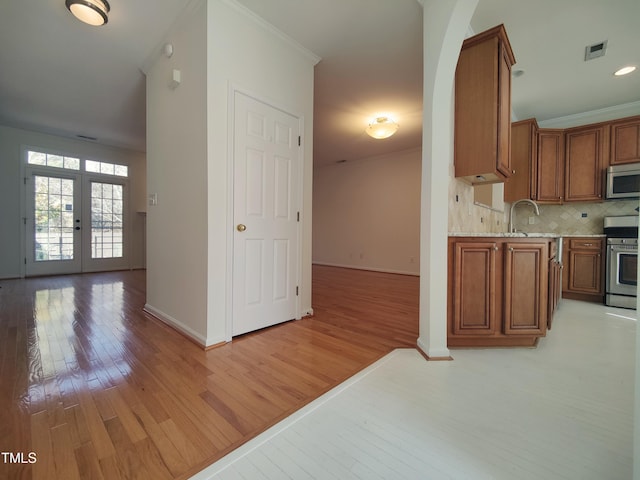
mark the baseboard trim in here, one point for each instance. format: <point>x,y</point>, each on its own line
<point>436,356</point>
<point>182,329</point>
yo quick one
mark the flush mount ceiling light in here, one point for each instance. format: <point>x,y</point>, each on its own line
<point>624,71</point>
<point>93,12</point>
<point>382,127</point>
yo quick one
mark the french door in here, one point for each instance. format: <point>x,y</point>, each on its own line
<point>74,223</point>
<point>53,223</point>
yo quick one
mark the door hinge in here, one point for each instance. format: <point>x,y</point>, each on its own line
<point>25,180</point>
<point>25,260</point>
<point>297,291</point>
<point>24,220</point>
<point>299,140</point>
<point>298,217</point>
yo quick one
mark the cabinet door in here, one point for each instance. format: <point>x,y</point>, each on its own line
<point>474,288</point>
<point>625,141</point>
<point>584,163</point>
<point>585,271</point>
<point>525,288</point>
<point>550,172</point>
<point>503,162</point>
<point>524,151</point>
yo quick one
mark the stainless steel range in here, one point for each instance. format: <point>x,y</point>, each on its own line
<point>622,261</point>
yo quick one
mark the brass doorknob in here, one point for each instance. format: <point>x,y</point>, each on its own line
<point>241,227</point>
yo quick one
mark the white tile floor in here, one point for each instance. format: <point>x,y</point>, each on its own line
<point>561,411</point>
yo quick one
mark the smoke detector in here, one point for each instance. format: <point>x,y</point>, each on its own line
<point>594,51</point>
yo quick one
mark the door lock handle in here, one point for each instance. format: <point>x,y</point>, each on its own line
<point>241,227</point>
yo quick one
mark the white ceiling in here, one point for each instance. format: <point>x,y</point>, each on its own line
<point>63,77</point>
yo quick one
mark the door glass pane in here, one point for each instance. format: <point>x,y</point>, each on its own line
<point>628,269</point>
<point>106,220</point>
<point>53,218</point>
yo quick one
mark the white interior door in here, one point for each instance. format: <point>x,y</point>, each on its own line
<point>53,223</point>
<point>266,243</point>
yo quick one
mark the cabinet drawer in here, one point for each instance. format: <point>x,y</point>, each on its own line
<point>585,243</point>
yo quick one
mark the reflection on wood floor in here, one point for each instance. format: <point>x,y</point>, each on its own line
<point>97,389</point>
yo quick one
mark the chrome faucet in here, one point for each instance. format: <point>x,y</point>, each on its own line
<point>512,222</point>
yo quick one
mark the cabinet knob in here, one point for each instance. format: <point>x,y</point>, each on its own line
<point>511,249</point>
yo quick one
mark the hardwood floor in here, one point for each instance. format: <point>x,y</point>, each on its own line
<point>95,388</point>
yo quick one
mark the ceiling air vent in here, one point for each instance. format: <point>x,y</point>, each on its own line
<point>594,51</point>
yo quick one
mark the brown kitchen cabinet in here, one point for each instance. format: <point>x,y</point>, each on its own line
<point>625,141</point>
<point>524,158</point>
<point>526,281</point>
<point>474,283</point>
<point>483,108</point>
<point>498,291</point>
<point>586,157</point>
<point>569,165</point>
<point>550,167</point>
<point>583,279</point>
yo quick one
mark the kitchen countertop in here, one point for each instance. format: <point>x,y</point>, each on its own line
<point>521,235</point>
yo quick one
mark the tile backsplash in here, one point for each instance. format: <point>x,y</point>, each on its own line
<point>465,216</point>
<point>567,219</point>
<point>572,218</point>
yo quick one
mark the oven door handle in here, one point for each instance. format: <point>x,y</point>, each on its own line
<point>630,249</point>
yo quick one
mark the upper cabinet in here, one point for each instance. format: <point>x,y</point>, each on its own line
<point>586,151</point>
<point>524,154</point>
<point>483,108</point>
<point>568,165</point>
<point>549,173</point>
<point>625,141</point>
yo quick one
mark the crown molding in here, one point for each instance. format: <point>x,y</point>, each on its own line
<point>593,116</point>
<point>273,30</point>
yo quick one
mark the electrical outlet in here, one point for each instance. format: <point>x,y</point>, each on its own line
<point>532,220</point>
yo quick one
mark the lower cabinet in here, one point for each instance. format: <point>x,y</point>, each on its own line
<point>498,291</point>
<point>584,279</point>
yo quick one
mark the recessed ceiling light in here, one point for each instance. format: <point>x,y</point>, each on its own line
<point>624,71</point>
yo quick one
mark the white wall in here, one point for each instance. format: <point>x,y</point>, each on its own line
<point>366,213</point>
<point>219,46</point>
<point>11,226</point>
<point>246,53</point>
<point>177,173</point>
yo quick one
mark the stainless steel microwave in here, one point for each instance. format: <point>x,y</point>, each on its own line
<point>623,181</point>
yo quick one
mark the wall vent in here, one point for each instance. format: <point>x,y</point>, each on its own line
<point>594,51</point>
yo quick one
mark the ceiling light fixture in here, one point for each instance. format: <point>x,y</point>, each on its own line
<point>382,127</point>
<point>93,12</point>
<point>624,71</point>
